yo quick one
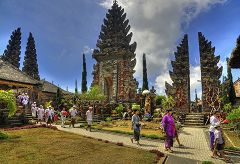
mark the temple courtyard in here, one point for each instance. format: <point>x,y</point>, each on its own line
<point>41,145</point>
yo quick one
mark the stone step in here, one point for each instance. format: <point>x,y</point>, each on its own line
<point>193,124</point>
<point>16,124</point>
<point>194,118</point>
<point>194,121</point>
<point>14,120</point>
<point>195,114</point>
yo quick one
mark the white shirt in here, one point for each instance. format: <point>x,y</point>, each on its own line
<point>89,115</point>
<point>213,121</point>
<point>48,112</point>
<point>40,112</point>
<point>73,112</point>
<point>25,100</point>
<point>218,136</point>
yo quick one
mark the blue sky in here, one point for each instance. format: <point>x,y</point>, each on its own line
<point>64,29</point>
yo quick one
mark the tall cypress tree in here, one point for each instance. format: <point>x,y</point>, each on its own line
<point>231,90</point>
<point>234,59</point>
<point>224,91</point>
<point>13,50</point>
<point>145,79</point>
<point>58,98</point>
<point>76,88</point>
<point>30,65</point>
<point>84,75</point>
<point>196,97</point>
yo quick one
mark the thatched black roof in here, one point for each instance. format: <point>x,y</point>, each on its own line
<point>8,72</point>
<point>51,88</point>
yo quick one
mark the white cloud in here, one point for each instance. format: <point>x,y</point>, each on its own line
<point>156,26</point>
<point>195,77</point>
<point>87,50</point>
<point>195,81</point>
<point>223,63</point>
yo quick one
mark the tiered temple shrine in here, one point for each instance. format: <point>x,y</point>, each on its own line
<point>210,74</point>
<point>115,58</point>
<point>180,89</point>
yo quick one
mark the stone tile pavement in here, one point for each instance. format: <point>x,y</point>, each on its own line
<point>193,139</point>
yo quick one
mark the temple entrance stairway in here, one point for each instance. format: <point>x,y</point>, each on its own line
<point>16,120</point>
<point>194,119</point>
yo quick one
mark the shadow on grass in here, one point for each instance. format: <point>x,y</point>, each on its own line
<point>147,145</point>
<point>183,147</point>
<point>180,152</point>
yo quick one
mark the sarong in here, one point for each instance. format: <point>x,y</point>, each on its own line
<point>212,141</point>
<point>169,141</point>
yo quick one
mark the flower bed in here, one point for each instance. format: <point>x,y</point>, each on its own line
<point>30,126</point>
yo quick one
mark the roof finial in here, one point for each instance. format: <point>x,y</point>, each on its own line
<point>115,1</point>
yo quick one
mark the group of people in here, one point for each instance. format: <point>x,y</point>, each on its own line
<point>73,112</point>
<point>47,115</point>
<point>168,126</point>
<point>23,99</point>
<point>216,136</point>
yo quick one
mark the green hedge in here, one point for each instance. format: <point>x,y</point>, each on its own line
<point>3,136</point>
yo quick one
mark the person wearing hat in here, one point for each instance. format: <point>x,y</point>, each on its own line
<point>34,109</point>
<point>49,114</point>
<point>169,128</point>
<point>89,116</point>
<point>40,113</point>
<point>73,114</point>
<point>64,114</point>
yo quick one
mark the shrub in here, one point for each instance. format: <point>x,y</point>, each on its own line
<point>207,162</point>
<point>156,114</point>
<point>119,109</point>
<point>8,98</point>
<point>227,107</point>
<point>232,148</point>
<point>3,136</point>
<point>136,107</point>
<point>109,119</point>
<point>168,103</point>
<point>234,115</point>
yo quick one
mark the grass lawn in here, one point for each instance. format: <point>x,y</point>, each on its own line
<point>233,137</point>
<point>149,129</point>
<point>42,145</point>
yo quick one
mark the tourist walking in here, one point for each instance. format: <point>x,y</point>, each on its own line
<point>49,115</point>
<point>73,114</point>
<point>40,113</point>
<point>214,120</point>
<point>64,114</point>
<point>34,109</point>
<point>136,126</point>
<point>169,129</point>
<point>89,116</point>
<point>25,101</point>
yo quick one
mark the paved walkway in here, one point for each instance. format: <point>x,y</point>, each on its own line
<point>196,147</point>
